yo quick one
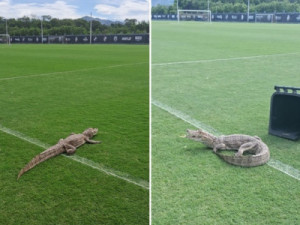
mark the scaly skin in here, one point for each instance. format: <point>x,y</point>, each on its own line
<point>240,142</point>
<point>68,145</point>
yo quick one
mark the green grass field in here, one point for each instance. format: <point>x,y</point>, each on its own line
<point>222,75</point>
<point>49,91</point>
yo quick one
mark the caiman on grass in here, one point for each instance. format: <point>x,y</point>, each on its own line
<point>260,153</point>
<point>67,145</point>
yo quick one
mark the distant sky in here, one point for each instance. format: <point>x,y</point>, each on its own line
<point>162,2</point>
<point>104,9</point>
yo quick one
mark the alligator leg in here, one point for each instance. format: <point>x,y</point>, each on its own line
<point>249,146</point>
<point>92,141</point>
<point>70,149</point>
<point>219,146</point>
<point>258,138</point>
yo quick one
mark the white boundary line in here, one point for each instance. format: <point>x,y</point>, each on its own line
<point>185,117</point>
<point>290,171</point>
<point>225,59</point>
<point>111,172</point>
<point>69,71</point>
<point>150,116</point>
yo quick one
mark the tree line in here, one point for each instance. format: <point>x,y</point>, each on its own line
<point>231,6</point>
<point>26,26</point>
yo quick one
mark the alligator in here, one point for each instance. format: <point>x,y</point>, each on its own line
<point>260,153</point>
<point>68,145</point>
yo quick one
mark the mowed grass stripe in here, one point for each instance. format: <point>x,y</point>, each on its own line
<point>111,172</point>
<point>286,169</point>
<point>115,100</point>
<point>62,191</point>
<point>224,59</point>
<point>189,41</point>
<point>18,60</point>
<point>71,71</point>
<point>189,183</point>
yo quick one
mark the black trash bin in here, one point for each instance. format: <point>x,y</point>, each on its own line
<point>285,113</point>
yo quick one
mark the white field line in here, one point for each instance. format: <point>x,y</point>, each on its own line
<point>290,171</point>
<point>224,59</point>
<point>111,172</point>
<point>185,117</point>
<point>70,71</point>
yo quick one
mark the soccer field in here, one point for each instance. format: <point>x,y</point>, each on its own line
<point>220,77</point>
<point>49,91</point>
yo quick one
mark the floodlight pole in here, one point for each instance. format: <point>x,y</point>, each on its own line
<point>6,31</point>
<point>248,11</point>
<point>177,12</point>
<point>91,21</point>
<point>6,28</point>
<point>208,5</point>
<point>42,30</point>
<point>209,13</point>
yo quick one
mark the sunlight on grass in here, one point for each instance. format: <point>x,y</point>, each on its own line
<point>52,104</point>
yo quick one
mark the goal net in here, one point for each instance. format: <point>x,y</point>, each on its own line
<point>4,39</point>
<point>56,39</point>
<point>194,15</point>
<point>265,18</point>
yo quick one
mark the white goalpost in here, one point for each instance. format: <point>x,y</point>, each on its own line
<point>193,15</point>
<point>265,18</point>
<point>4,39</point>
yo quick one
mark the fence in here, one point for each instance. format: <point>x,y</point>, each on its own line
<point>242,17</point>
<point>83,39</point>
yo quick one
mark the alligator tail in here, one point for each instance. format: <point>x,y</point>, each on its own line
<point>47,154</point>
<point>248,160</point>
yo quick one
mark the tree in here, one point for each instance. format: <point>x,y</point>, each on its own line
<point>130,22</point>
<point>53,26</point>
<point>229,6</point>
<point>160,9</point>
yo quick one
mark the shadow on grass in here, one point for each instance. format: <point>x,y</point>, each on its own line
<point>197,151</point>
<point>272,138</point>
<point>206,150</point>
